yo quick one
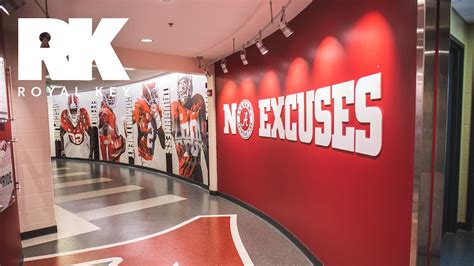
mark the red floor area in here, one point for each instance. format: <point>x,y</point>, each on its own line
<point>207,240</point>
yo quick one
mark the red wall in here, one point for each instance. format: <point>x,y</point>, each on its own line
<point>347,208</point>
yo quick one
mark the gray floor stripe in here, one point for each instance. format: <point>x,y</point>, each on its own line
<point>82,182</point>
<point>70,174</point>
<point>128,207</point>
<point>96,193</point>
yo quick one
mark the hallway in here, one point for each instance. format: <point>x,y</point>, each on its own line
<point>104,208</point>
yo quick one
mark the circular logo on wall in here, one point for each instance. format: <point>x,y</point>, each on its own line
<point>245,119</point>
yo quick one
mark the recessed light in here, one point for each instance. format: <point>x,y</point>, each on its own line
<point>146,40</point>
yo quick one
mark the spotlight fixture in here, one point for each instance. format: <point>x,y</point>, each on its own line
<point>263,50</point>
<point>4,10</point>
<point>146,40</point>
<point>206,72</point>
<point>10,6</point>
<point>285,29</point>
<point>243,56</point>
<point>224,65</point>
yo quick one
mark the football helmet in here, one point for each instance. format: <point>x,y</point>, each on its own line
<point>147,92</point>
<point>110,98</point>
<point>73,109</point>
<point>154,96</point>
<point>185,88</point>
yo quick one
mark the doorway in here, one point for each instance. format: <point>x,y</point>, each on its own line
<point>454,142</point>
<point>458,237</point>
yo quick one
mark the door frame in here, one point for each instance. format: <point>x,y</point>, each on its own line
<point>453,134</point>
<point>470,178</point>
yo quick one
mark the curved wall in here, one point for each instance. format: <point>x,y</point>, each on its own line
<point>326,145</point>
<point>156,131</point>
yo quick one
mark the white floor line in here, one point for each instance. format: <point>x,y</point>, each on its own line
<point>128,207</point>
<point>233,224</point>
<point>95,193</point>
<point>60,168</point>
<point>70,174</point>
<point>82,182</point>
<point>69,225</point>
<point>234,230</point>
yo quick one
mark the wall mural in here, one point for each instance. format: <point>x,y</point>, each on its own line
<point>3,93</point>
<point>7,185</point>
<point>160,123</point>
<point>7,181</point>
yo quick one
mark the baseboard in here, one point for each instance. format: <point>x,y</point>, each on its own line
<point>22,258</point>
<point>311,257</point>
<point>213,193</point>
<point>138,167</point>
<point>464,226</point>
<point>39,232</point>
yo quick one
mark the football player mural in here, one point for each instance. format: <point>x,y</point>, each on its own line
<point>112,144</point>
<point>147,116</point>
<point>160,123</point>
<point>189,129</point>
<point>6,175</point>
<point>75,130</point>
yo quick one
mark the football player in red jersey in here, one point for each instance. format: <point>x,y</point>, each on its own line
<point>189,129</point>
<point>147,114</point>
<point>75,126</point>
<point>112,144</point>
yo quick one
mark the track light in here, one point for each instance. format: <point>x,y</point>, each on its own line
<point>206,72</point>
<point>224,66</point>
<point>4,10</point>
<point>263,50</point>
<point>9,6</point>
<point>285,29</point>
<point>243,56</point>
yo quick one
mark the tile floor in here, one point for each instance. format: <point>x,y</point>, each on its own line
<point>102,206</point>
<point>458,249</point>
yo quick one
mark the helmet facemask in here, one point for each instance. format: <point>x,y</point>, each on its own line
<point>147,91</point>
<point>110,99</point>
<point>73,109</point>
<point>185,88</point>
<point>154,96</point>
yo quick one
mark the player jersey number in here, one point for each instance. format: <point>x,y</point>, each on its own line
<point>150,138</point>
<point>191,137</point>
<point>77,138</point>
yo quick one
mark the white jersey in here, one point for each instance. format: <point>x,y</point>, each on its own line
<point>72,150</point>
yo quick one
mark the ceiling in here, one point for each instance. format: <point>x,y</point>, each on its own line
<point>465,8</point>
<point>201,27</point>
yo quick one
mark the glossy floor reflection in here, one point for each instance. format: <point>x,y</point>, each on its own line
<point>458,249</point>
<point>102,204</point>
